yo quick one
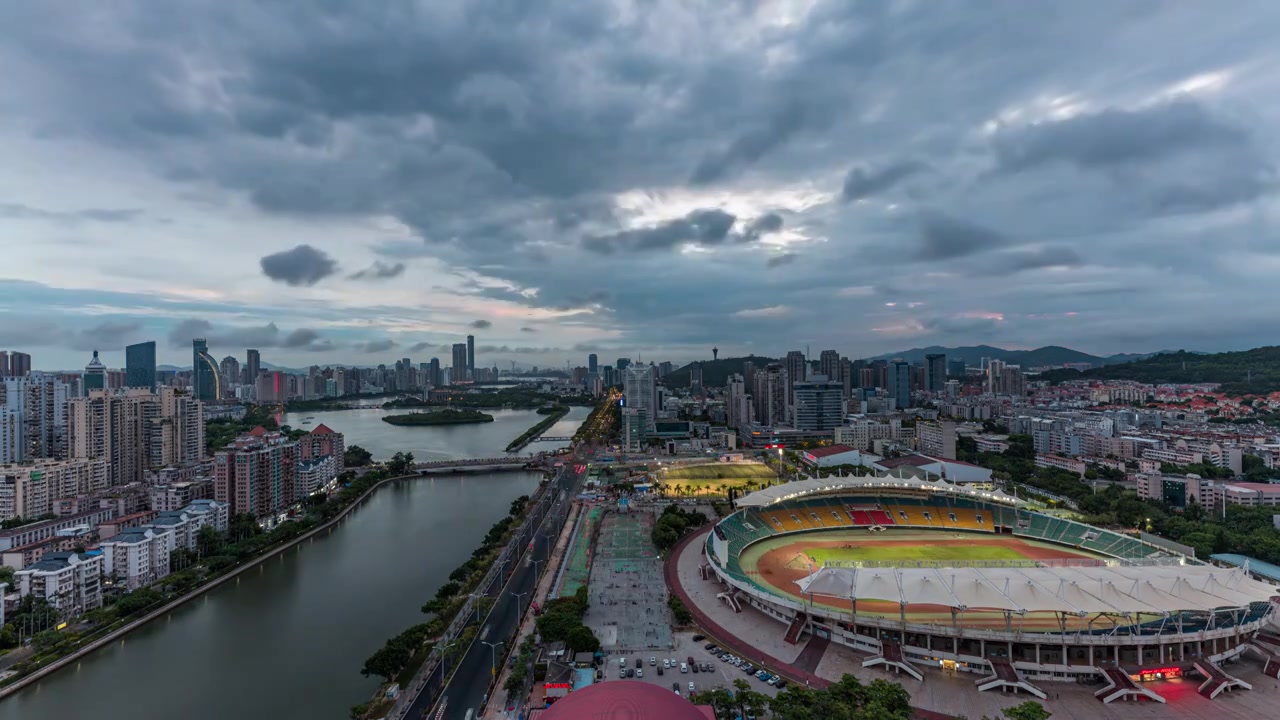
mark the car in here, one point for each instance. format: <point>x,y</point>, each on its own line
<point>666,663</point>
<point>653,660</point>
<point>639,663</point>
<point>762,674</point>
<point>725,657</point>
<point>773,680</point>
<point>622,673</point>
<point>706,667</point>
<point>690,659</point>
<point>659,671</point>
<point>640,673</point>
<point>699,638</point>
<point>782,682</point>
<point>676,687</point>
<point>690,686</point>
<point>748,668</point>
<point>684,668</point>
<point>694,667</point>
<point>631,673</point>
<point>622,661</point>
<point>714,649</point>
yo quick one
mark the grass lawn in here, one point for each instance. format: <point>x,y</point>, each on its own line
<point>894,551</point>
<point>718,471</point>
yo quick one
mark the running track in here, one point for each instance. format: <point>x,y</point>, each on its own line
<point>725,639</point>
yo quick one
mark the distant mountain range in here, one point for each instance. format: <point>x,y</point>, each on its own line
<point>1255,371</point>
<point>1040,357</point>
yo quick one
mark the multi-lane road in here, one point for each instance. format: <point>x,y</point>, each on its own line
<point>469,686</point>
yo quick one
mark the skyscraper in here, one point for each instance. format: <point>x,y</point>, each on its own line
<point>140,365</point>
<point>955,368</point>
<point>623,363</point>
<point>230,368</point>
<point>4,364</point>
<point>899,384</point>
<point>641,405</point>
<point>935,369</point>
<point>252,365</point>
<point>471,356</point>
<point>206,386</point>
<point>433,373</point>
<point>829,364</point>
<point>737,402</point>
<point>593,364</point>
<point>19,364</point>
<point>819,405</point>
<point>796,367</point>
<point>770,395</point>
<point>95,374</point>
<point>458,372</point>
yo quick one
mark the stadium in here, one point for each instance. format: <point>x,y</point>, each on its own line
<point>918,573</point>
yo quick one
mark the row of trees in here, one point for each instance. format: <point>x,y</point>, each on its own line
<point>673,524</point>
<point>561,620</point>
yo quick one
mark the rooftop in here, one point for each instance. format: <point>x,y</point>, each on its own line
<point>906,460</point>
<point>623,700</point>
<point>829,451</point>
<point>322,429</point>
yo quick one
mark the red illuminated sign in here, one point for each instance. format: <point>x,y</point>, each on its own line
<point>1164,673</point>
<point>557,686</point>
<point>774,446</point>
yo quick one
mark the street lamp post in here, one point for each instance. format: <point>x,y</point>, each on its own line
<point>519,601</point>
<point>444,661</point>
<point>493,658</point>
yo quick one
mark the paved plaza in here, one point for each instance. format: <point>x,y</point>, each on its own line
<point>628,598</point>
<point>956,695</point>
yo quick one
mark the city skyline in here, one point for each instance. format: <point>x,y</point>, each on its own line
<point>998,181</point>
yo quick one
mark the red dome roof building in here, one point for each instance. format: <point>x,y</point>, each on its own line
<point>625,700</point>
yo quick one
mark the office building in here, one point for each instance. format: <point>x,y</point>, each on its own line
<point>458,371</point>
<point>471,357</point>
<point>593,363</point>
<point>258,473</point>
<point>770,396</point>
<point>18,365</point>
<point>935,372</point>
<point>205,381</point>
<point>955,368</point>
<point>639,389</point>
<point>69,581</point>
<point>623,363</point>
<point>434,377</point>
<point>95,374</point>
<point>819,404</point>
<point>829,364</point>
<point>899,383</point>
<point>272,387</point>
<point>252,366</point>
<point>936,439</point>
<point>140,365</point>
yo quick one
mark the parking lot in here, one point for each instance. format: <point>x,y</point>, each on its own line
<point>722,673</point>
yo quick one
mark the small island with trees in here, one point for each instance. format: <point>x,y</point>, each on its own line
<point>448,416</point>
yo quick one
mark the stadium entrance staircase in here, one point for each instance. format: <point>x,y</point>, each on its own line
<point>1005,677</point>
<point>797,627</point>
<point>1216,681</point>
<point>891,657</point>
<point>1122,687</point>
<point>730,598</point>
<point>1270,661</point>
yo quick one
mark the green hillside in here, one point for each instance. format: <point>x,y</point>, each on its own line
<point>715,373</point>
<point>1254,371</point>
<point>973,354</point>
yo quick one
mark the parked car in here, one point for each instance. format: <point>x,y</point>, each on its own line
<point>640,673</point>
<point>748,668</point>
<point>659,671</point>
<point>699,638</point>
<point>690,659</point>
<point>622,673</point>
<point>666,663</point>
<point>694,667</point>
<point>684,668</point>
<point>639,663</point>
<point>653,660</point>
<point>631,673</point>
<point>782,682</point>
<point>708,646</point>
<point>773,680</point>
<point>706,667</point>
<point>690,686</point>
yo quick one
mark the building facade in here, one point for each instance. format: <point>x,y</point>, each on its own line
<point>140,365</point>
<point>206,383</point>
<point>69,581</point>
<point>258,474</point>
<point>819,405</point>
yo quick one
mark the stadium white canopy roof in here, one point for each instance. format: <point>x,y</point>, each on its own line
<point>887,483</point>
<point>1072,590</point>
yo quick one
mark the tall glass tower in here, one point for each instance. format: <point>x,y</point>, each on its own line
<point>205,383</point>
<point>140,365</point>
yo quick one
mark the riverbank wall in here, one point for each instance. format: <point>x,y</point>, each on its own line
<point>120,632</point>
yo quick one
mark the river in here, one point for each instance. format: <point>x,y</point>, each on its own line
<point>288,638</point>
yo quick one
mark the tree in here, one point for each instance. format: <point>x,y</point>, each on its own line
<point>1029,710</point>
<point>356,456</point>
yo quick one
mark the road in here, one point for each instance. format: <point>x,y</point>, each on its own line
<point>469,685</point>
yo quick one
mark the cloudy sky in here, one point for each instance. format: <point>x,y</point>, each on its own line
<point>334,181</point>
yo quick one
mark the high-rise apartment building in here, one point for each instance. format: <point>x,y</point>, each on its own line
<point>458,372</point>
<point>206,385</point>
<point>176,436</point>
<point>593,363</point>
<point>272,387</point>
<point>936,439</point>
<point>140,365</point>
<point>935,369</point>
<point>899,384</point>
<point>471,357</point>
<point>737,402</point>
<point>829,364</point>
<point>796,366</point>
<point>433,373</point>
<point>252,366</point>
<point>35,417</point>
<point>95,374</point>
<point>1005,379</point>
<point>122,428</point>
<point>28,489</point>
<point>819,405</point>
<point>770,395</point>
<point>258,473</point>
<point>4,364</point>
<point>229,368</point>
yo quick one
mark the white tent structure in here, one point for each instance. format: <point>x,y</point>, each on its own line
<point>887,484</point>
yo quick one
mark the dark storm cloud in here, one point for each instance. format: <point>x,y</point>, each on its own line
<point>766,224</point>
<point>257,336</point>
<point>1115,137</point>
<point>752,145</point>
<point>962,326</point>
<point>863,182</point>
<point>106,336</point>
<point>420,346</point>
<point>527,330</point>
<point>377,346</point>
<point>704,227</point>
<point>303,265</point>
<point>481,324</point>
<point>780,260</point>
<point>379,271</point>
<point>943,237</point>
<point>306,339</point>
